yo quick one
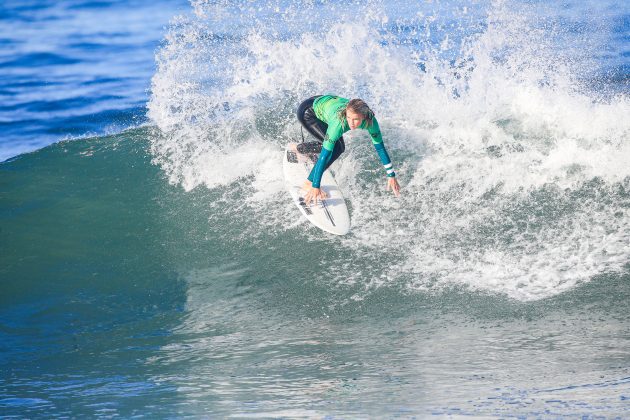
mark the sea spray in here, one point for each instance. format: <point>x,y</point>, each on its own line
<point>505,159</point>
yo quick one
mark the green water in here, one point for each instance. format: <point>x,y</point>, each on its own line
<point>122,295</point>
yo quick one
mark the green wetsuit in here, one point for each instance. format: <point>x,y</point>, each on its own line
<point>327,109</point>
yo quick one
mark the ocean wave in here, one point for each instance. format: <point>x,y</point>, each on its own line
<point>514,172</point>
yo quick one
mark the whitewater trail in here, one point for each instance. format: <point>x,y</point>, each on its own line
<point>515,175</point>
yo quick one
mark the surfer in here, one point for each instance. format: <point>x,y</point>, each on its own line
<point>327,117</point>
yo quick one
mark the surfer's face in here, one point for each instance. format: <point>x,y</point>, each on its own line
<point>354,119</point>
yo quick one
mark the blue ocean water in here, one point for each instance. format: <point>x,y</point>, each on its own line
<point>153,265</point>
<point>75,68</point>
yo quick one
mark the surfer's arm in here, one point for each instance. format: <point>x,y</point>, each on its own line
<point>318,170</point>
<point>385,160</point>
<point>315,193</point>
<point>333,133</point>
<point>377,141</point>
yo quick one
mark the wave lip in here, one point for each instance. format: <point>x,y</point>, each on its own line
<point>514,170</point>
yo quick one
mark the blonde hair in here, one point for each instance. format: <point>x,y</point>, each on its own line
<point>360,107</point>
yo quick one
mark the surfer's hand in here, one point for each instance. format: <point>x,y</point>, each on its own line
<point>392,184</point>
<point>313,194</point>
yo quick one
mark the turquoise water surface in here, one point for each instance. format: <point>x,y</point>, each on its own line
<point>153,265</point>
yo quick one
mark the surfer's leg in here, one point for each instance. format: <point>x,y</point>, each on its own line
<point>308,119</point>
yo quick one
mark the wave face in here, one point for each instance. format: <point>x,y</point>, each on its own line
<point>163,272</point>
<point>508,129</point>
<point>123,295</point>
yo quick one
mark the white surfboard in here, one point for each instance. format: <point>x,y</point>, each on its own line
<point>331,214</point>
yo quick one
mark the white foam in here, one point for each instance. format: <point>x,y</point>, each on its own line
<point>496,150</point>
